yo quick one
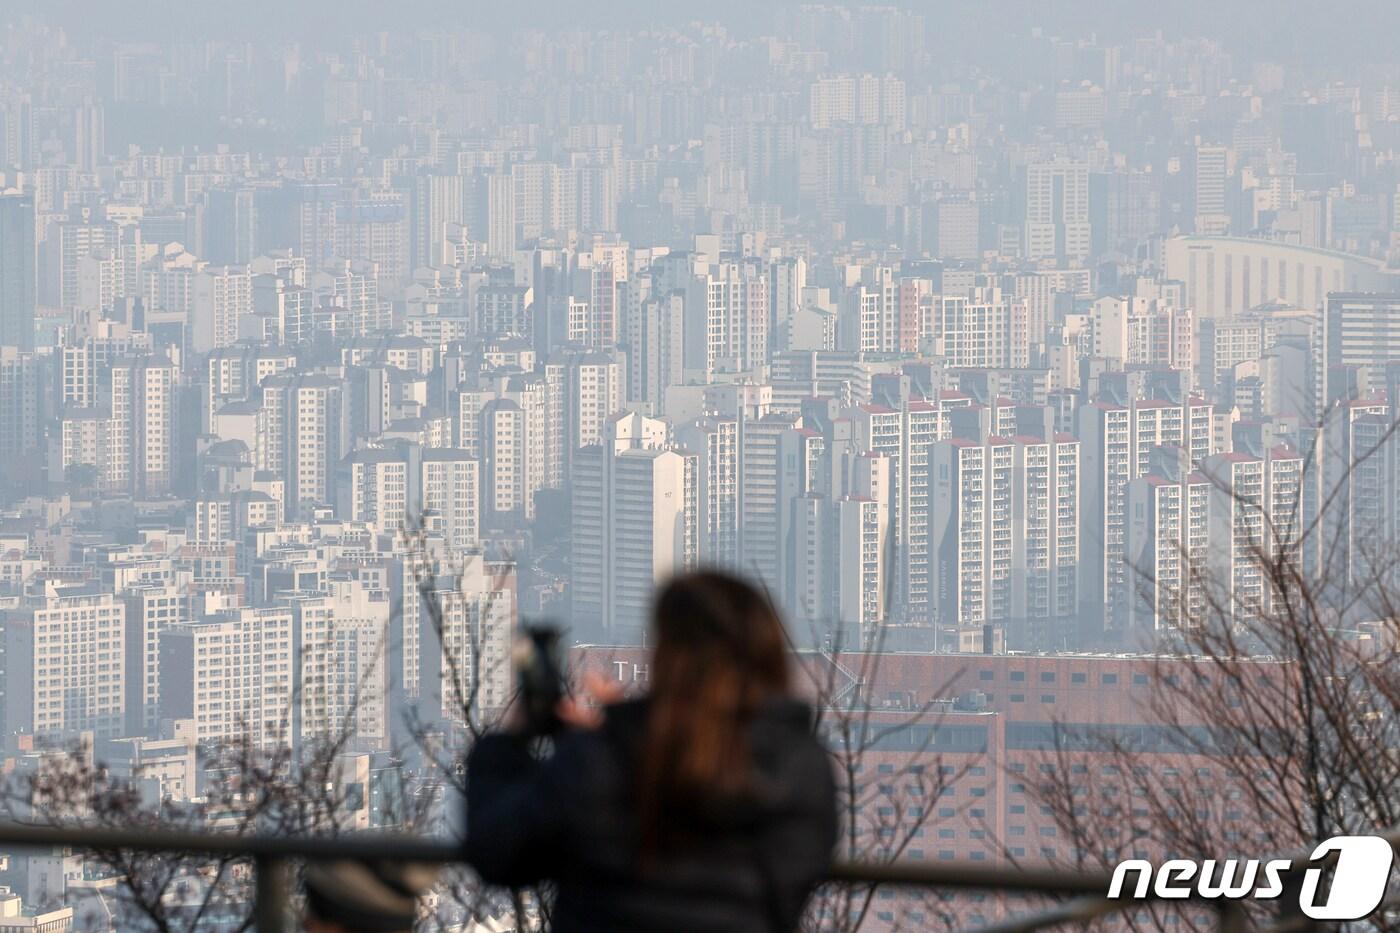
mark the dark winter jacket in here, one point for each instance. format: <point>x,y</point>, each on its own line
<point>572,819</point>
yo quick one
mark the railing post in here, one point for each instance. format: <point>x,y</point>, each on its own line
<point>269,895</point>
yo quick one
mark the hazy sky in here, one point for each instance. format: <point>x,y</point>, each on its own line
<point>1288,30</point>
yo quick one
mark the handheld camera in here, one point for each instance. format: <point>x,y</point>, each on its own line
<point>540,677</point>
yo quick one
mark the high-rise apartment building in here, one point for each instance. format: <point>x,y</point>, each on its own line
<point>1106,467</point>
<point>500,216</point>
<point>1137,331</point>
<point>306,435</point>
<point>150,609</point>
<point>635,522</point>
<point>24,382</point>
<point>65,663</point>
<point>972,509</point>
<point>594,321</point>
<point>18,268</point>
<point>223,297</point>
<point>464,668</point>
<point>234,373</point>
<point>655,348</point>
<point>1160,423</point>
<point>142,433</point>
<point>1212,208</point>
<point>373,486</point>
<point>714,442</point>
<point>437,201</point>
<point>593,393</point>
<point>957,228</point>
<point>1166,546</point>
<point>1352,483</point>
<point>508,458</point>
<point>450,496</point>
<point>351,287</point>
<point>1045,547</point>
<point>759,544</point>
<point>233,673</point>
<point>282,307</point>
<point>1239,518</point>
<point>734,316</point>
<point>1057,211</point>
<point>982,330</point>
<point>342,652</point>
<point>805,520</point>
<point>860,558</point>
<point>870,313</point>
<point>902,426</point>
<point>230,226</point>
<point>69,240</point>
<point>1224,345</point>
<point>1360,330</point>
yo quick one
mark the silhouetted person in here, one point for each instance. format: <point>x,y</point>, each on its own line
<point>706,805</point>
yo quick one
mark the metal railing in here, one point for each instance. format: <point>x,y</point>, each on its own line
<point>1084,894</point>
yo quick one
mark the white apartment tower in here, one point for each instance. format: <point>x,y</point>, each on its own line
<point>372,486</point>
<point>1106,467</point>
<point>451,495</point>
<point>342,652</point>
<point>150,609</point>
<point>1167,545</point>
<point>862,558</point>
<point>972,508</point>
<point>714,441</point>
<point>656,348</point>
<point>1057,211</point>
<point>507,458</point>
<point>22,384</point>
<point>982,330</point>
<point>223,295</point>
<point>141,435</point>
<point>635,522</point>
<point>500,217</point>
<point>595,393</point>
<point>1239,534</point>
<point>904,432</point>
<point>65,665</point>
<point>1045,533</point>
<point>479,616</point>
<point>233,674</point>
<point>313,436</point>
<point>759,504</point>
<point>1212,173</point>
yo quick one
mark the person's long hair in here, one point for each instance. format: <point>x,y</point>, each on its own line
<point>719,652</point>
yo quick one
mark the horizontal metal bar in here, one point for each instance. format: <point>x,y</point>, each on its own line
<point>400,847</point>
<point>1031,880</point>
<point>358,846</point>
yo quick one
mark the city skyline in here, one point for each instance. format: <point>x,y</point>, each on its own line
<point>1058,340</point>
